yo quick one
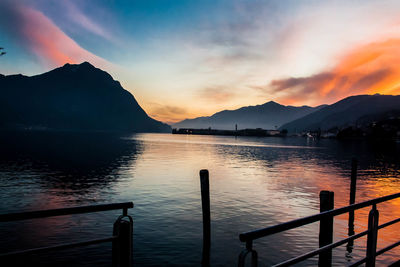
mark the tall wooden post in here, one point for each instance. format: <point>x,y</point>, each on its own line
<point>353,184</point>
<point>326,228</point>
<point>205,203</point>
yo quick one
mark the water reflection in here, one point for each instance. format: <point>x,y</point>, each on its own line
<point>54,170</point>
<point>63,164</point>
<point>292,179</point>
<point>258,182</point>
<point>254,182</point>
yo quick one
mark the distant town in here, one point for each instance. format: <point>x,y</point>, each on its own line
<point>388,128</point>
<point>243,132</point>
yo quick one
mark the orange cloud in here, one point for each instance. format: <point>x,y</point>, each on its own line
<point>168,114</point>
<point>369,69</point>
<point>49,43</point>
<point>217,94</point>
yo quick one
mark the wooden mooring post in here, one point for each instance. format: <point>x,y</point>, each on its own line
<point>353,184</point>
<point>326,228</point>
<point>205,204</point>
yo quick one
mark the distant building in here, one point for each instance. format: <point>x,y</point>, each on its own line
<point>328,135</point>
<point>273,132</point>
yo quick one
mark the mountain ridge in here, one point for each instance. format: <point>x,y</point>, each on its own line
<point>269,115</point>
<point>345,112</point>
<point>72,97</point>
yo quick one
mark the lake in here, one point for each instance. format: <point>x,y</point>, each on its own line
<point>254,183</point>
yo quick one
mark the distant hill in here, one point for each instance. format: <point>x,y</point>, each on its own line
<point>376,126</point>
<point>347,112</point>
<point>72,97</point>
<point>266,116</point>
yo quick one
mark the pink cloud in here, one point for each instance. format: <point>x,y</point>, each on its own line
<point>48,42</point>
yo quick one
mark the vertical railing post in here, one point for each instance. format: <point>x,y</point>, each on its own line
<point>205,204</point>
<point>326,228</point>
<point>254,256</point>
<point>122,246</point>
<point>244,253</point>
<point>353,184</point>
<point>373,220</point>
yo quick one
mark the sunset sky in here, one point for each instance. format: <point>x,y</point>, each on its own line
<point>183,59</point>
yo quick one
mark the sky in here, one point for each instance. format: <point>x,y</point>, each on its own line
<point>184,59</point>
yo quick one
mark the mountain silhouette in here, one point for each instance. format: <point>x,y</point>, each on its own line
<point>73,97</point>
<point>266,116</point>
<point>349,111</point>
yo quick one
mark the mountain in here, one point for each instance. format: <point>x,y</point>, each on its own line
<point>344,113</point>
<point>266,116</point>
<point>73,97</point>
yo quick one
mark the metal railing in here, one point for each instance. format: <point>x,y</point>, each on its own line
<point>326,227</point>
<point>121,238</point>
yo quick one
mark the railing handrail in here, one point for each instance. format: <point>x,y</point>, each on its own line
<point>252,235</point>
<point>121,238</point>
<point>17,216</point>
<point>57,247</point>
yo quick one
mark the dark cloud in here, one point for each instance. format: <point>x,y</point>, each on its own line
<point>304,84</point>
<point>371,79</point>
<point>298,88</point>
<point>333,84</point>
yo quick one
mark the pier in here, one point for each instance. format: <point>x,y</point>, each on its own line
<point>326,233</point>
<point>326,228</point>
<point>243,132</point>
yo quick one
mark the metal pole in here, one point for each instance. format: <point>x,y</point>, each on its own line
<point>244,253</point>
<point>326,228</point>
<point>205,203</point>
<point>122,246</point>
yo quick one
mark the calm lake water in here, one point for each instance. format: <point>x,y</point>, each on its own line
<point>254,183</point>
